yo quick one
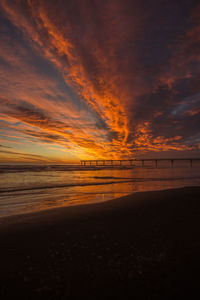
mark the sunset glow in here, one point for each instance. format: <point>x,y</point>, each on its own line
<point>100,79</point>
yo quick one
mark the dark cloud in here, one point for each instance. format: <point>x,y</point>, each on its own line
<point>45,136</point>
<point>2,146</point>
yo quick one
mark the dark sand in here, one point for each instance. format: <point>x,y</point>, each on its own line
<point>143,246</point>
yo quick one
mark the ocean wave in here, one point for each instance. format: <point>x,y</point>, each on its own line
<point>119,180</point>
<point>47,168</point>
<point>54,186</point>
<point>36,168</point>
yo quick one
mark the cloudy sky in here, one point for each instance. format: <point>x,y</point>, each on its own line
<point>99,79</point>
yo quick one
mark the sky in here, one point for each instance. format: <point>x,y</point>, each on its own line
<point>99,79</point>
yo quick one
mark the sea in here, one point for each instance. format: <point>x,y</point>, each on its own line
<point>31,188</point>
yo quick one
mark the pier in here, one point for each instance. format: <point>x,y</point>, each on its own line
<point>132,162</point>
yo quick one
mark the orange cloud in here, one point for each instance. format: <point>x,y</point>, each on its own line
<point>93,113</point>
<point>104,102</point>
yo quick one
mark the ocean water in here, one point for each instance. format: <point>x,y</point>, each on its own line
<point>26,188</point>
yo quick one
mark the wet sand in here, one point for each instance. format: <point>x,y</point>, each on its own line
<point>142,246</point>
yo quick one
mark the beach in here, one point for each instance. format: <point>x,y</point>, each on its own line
<point>142,246</point>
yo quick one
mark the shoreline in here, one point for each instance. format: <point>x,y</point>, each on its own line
<point>52,212</point>
<point>145,244</point>
<point>16,216</point>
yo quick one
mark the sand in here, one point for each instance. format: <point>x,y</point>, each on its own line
<point>142,246</point>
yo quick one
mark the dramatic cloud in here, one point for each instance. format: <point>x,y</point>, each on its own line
<point>100,78</point>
